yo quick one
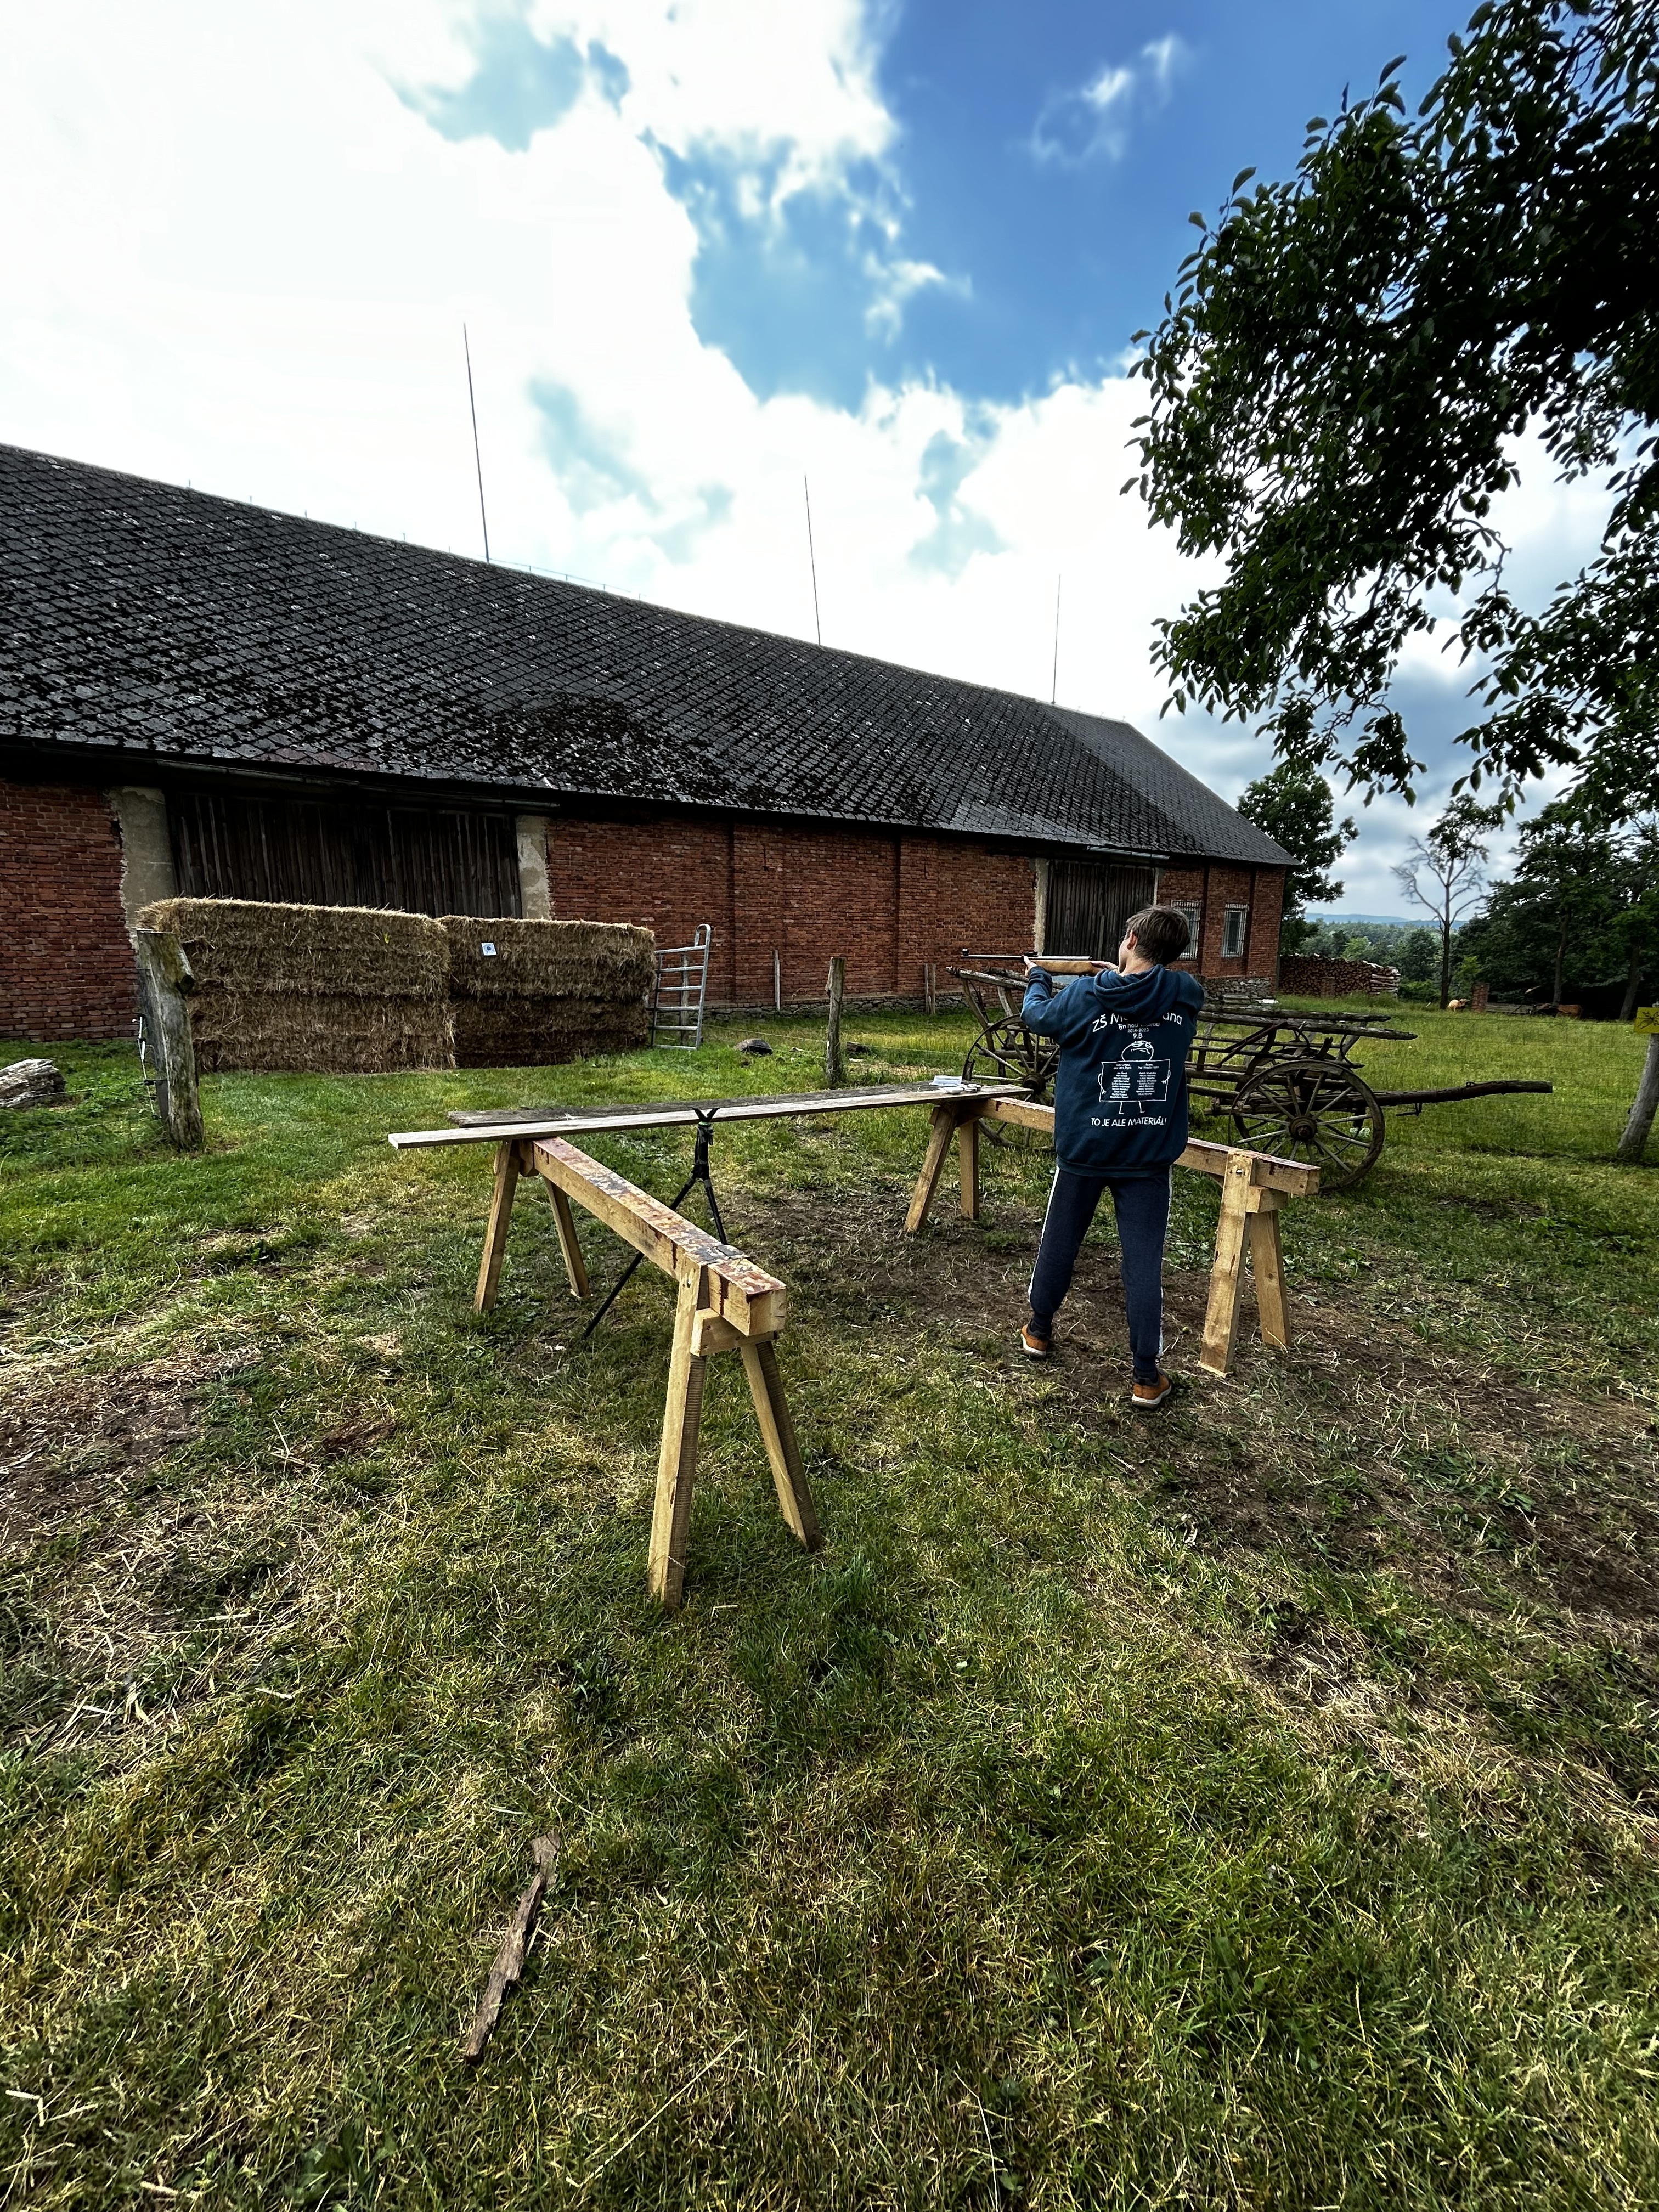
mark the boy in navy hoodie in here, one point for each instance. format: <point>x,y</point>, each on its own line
<point>1120,1125</point>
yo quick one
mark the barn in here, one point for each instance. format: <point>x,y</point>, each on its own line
<point>203,697</point>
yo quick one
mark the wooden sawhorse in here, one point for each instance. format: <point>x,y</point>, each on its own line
<point>1254,1187</point>
<point>725,1303</point>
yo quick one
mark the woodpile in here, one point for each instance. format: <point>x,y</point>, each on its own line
<point>1307,977</point>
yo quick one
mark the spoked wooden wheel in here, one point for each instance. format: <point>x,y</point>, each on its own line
<point>1317,1111</point>
<point>1005,1053</point>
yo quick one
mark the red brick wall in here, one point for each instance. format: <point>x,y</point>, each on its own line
<point>1214,886</point>
<point>890,905</point>
<point>65,963</point>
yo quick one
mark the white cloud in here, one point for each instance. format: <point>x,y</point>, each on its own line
<point>243,260</point>
<point>1093,122</point>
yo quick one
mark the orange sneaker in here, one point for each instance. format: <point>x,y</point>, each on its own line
<point>1147,1397</point>
<point>1033,1345</point>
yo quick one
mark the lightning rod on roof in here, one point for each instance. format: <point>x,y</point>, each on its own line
<point>812,558</point>
<point>477,461</point>
<point>1054,679</point>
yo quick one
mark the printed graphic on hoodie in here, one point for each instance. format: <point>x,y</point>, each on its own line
<point>1139,1079</point>
<point>1121,1087</point>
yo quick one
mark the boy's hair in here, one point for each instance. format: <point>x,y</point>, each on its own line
<point>1160,933</point>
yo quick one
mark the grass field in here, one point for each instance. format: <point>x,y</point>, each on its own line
<point>1257,1806</point>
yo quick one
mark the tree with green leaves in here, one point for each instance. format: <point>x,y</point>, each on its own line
<point>1342,380</point>
<point>1293,805</point>
<point>1581,907</point>
<point>1449,855</point>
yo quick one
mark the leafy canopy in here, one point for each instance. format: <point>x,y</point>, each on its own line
<point>1338,389</point>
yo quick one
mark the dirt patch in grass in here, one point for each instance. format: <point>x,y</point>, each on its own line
<point>69,1442</point>
<point>129,1586</point>
<point>1367,1447</point>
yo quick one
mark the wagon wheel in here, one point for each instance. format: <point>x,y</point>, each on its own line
<point>1006,1053</point>
<point>1314,1110</point>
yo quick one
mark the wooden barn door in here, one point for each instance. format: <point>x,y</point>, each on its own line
<point>1089,903</point>
<point>415,858</point>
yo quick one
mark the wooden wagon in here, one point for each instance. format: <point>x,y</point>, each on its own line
<point>1288,1082</point>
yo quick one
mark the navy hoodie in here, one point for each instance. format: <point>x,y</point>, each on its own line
<point>1120,1094</point>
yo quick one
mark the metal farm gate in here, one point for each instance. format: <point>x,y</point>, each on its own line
<point>1088,904</point>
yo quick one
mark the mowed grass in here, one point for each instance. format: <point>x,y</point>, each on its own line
<point>1260,1807</point>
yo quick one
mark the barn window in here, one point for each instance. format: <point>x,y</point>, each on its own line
<point>1194,918</point>
<point>1232,937</point>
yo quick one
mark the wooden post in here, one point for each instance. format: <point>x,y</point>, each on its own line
<point>166,976</point>
<point>930,987</point>
<point>968,1162</point>
<point>1226,1277</point>
<point>1273,1302</point>
<point>1633,1143</point>
<point>501,1214</point>
<point>834,1067</point>
<point>677,1460</point>
<point>565,1222</point>
<point>777,982</point>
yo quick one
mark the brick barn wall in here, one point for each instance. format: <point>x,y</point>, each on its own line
<point>890,905</point>
<point>66,967</point>
<point>1214,886</point>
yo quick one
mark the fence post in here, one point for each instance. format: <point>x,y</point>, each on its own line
<point>1633,1143</point>
<point>834,1068</point>
<point>165,978</point>
<point>929,987</point>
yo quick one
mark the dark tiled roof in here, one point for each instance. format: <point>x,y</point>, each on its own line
<point>159,625</point>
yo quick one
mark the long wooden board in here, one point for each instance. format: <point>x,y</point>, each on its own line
<point>743,1294</point>
<point>682,1114</point>
<point>1271,1173</point>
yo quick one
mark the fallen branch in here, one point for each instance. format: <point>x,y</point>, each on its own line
<point>509,1960</point>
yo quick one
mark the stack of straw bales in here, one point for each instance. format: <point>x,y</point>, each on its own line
<point>323,990</point>
<point>332,990</point>
<point>550,991</point>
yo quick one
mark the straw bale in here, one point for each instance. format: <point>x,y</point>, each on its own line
<point>318,1032</point>
<point>602,961</point>
<point>341,951</point>
<point>538,1032</point>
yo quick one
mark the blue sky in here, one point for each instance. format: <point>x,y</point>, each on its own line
<point>1048,155</point>
<point>704,249</point>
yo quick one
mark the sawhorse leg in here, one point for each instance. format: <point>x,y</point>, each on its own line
<point>510,1164</point>
<point>698,1332</point>
<point>964,1125</point>
<point>1250,1216</point>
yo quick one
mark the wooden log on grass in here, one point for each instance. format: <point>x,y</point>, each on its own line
<point>165,974</point>
<point>509,1960</point>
